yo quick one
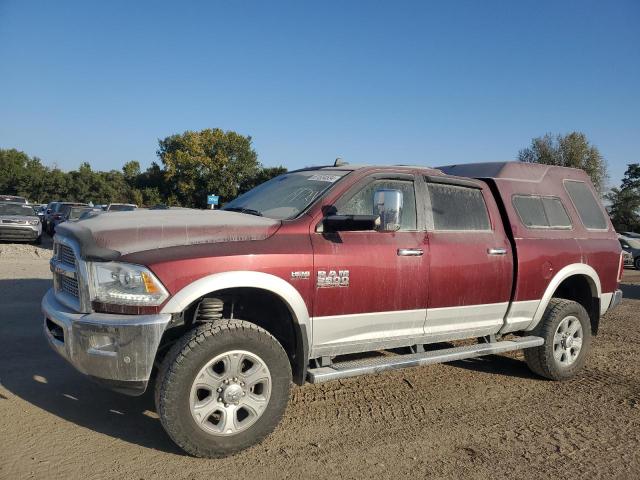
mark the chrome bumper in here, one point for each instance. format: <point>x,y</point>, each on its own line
<point>615,300</point>
<point>116,350</point>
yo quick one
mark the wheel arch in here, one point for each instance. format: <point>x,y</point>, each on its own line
<point>269,284</point>
<point>571,283</point>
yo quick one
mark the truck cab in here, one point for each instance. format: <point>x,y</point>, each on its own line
<point>292,279</point>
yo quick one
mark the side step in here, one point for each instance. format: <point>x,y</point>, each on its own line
<point>353,368</point>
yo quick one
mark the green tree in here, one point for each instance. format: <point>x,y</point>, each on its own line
<point>208,161</point>
<point>625,201</point>
<point>572,150</point>
<point>131,171</point>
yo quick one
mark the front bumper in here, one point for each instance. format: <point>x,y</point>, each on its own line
<point>116,350</point>
<point>19,232</point>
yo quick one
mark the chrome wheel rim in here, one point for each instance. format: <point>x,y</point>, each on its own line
<point>230,393</point>
<point>567,341</point>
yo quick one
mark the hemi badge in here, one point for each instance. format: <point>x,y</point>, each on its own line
<point>302,275</point>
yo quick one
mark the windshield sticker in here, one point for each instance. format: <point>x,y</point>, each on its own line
<point>324,178</point>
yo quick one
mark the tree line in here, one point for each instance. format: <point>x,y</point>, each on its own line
<point>212,161</point>
<point>192,165</point>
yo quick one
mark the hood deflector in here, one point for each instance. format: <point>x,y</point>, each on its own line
<point>108,236</point>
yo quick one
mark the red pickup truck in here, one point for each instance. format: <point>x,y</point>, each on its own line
<point>287,282</point>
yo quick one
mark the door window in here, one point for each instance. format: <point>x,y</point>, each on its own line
<point>361,201</point>
<point>456,208</point>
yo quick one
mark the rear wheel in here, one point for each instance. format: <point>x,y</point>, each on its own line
<point>222,388</point>
<point>566,329</point>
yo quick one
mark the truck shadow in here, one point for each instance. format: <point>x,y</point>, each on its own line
<point>497,365</point>
<point>30,370</point>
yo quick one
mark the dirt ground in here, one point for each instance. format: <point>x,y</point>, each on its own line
<point>487,418</point>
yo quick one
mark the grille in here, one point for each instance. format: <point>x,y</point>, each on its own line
<point>66,255</point>
<point>70,286</point>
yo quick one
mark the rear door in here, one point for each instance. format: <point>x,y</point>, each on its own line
<point>371,287</point>
<point>471,264</point>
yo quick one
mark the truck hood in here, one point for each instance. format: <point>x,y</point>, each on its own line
<point>111,235</point>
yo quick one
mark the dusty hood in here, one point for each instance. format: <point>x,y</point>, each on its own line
<point>109,235</point>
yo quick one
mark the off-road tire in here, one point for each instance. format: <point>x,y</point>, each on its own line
<point>188,356</point>
<point>541,359</point>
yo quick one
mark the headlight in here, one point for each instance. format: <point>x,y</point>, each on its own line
<point>35,221</point>
<point>125,284</point>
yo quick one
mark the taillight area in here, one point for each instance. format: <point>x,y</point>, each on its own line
<point>621,267</point>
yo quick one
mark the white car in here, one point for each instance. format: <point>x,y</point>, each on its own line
<point>19,221</point>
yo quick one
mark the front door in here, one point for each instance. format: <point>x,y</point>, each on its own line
<point>370,287</point>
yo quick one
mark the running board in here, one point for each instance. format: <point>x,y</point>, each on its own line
<point>353,368</point>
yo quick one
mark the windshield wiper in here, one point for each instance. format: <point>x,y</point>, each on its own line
<point>250,211</point>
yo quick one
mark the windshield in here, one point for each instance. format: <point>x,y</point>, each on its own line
<point>77,211</point>
<point>16,209</point>
<point>286,196</point>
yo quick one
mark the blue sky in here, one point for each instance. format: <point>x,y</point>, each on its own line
<point>372,82</point>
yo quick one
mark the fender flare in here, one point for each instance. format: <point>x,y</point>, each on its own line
<point>564,273</point>
<point>249,279</point>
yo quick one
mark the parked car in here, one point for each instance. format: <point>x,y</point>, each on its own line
<point>40,211</point>
<point>64,212</point>
<point>292,279</point>
<point>53,214</point>
<point>632,247</point>
<point>12,199</point>
<point>89,213</point>
<point>19,222</point>
<point>121,207</point>
<point>73,214</point>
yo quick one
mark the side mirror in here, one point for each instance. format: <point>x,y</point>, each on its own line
<point>348,223</point>
<point>387,204</point>
<point>48,210</point>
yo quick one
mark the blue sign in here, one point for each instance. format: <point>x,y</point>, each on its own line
<point>212,199</point>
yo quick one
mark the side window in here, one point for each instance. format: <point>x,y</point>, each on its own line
<point>458,208</point>
<point>541,212</point>
<point>586,204</point>
<point>361,202</point>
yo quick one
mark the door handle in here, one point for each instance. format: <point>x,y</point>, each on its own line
<point>497,251</point>
<point>410,252</point>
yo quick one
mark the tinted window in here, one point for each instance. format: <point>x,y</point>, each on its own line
<point>541,212</point>
<point>458,208</point>
<point>586,204</point>
<point>556,213</point>
<point>530,211</point>
<point>361,203</point>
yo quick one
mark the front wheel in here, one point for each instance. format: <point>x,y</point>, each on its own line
<point>222,388</point>
<point>566,329</point>
<point>636,263</point>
